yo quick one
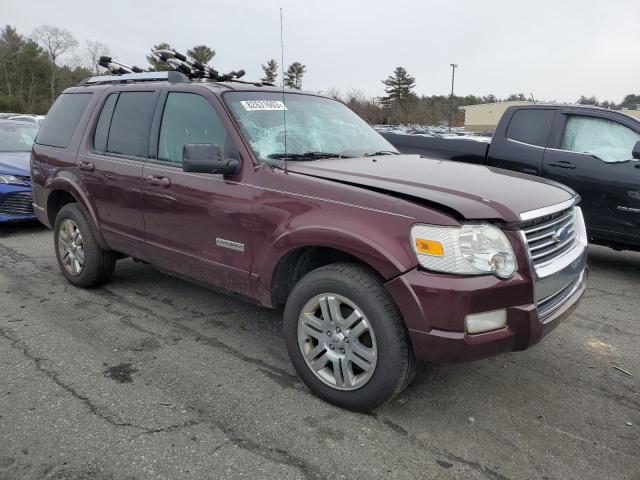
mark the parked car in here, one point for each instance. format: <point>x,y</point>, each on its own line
<point>380,260</point>
<point>16,140</point>
<point>592,150</point>
<point>28,118</point>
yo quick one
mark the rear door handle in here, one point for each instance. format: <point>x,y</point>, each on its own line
<point>158,181</point>
<point>562,164</point>
<point>87,166</point>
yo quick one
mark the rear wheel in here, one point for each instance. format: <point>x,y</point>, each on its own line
<point>82,261</point>
<point>346,338</point>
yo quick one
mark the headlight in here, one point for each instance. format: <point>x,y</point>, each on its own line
<point>470,249</point>
<point>10,179</point>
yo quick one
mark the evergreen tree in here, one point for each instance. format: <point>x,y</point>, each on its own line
<point>516,96</point>
<point>155,62</point>
<point>398,87</point>
<point>631,101</point>
<point>294,74</point>
<point>201,53</point>
<point>588,101</point>
<point>270,71</point>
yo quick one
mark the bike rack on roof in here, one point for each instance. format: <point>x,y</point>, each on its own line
<point>183,70</point>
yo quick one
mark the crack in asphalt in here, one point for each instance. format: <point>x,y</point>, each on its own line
<point>473,464</point>
<point>276,455</point>
<point>93,408</point>
<point>604,324</point>
<point>277,374</point>
<point>280,376</point>
<point>582,384</point>
<point>273,454</point>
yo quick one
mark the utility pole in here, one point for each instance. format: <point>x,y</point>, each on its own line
<point>453,77</point>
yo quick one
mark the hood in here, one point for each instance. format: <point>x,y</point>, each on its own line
<point>15,163</point>
<point>474,191</point>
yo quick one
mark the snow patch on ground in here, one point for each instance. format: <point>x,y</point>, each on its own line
<point>439,131</point>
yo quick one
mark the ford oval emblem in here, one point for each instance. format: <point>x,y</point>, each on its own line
<point>562,234</point>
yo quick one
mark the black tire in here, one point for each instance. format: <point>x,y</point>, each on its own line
<point>98,263</point>
<point>396,364</point>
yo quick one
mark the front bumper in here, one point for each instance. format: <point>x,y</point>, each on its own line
<point>434,307</point>
<point>15,203</point>
<point>524,326</point>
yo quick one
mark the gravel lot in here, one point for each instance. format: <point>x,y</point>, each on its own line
<point>153,377</point>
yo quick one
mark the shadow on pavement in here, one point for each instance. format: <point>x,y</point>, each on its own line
<point>14,228</point>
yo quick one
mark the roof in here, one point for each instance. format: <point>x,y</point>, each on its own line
<point>174,78</point>
<point>507,103</point>
<point>251,87</point>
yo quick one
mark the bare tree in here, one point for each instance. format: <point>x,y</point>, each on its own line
<point>55,42</point>
<point>334,93</point>
<point>95,50</point>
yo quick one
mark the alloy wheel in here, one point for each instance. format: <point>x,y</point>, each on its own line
<point>337,341</point>
<point>71,247</point>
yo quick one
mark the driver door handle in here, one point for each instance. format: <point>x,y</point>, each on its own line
<point>562,164</point>
<point>158,181</point>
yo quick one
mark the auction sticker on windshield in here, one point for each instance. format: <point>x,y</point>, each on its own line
<point>257,105</point>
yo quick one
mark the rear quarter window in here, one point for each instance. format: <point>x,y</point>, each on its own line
<point>531,126</point>
<point>104,121</point>
<point>62,119</point>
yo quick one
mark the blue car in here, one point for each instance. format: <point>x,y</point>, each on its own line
<point>16,139</point>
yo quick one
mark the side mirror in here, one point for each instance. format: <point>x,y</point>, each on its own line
<point>207,158</point>
<point>635,153</point>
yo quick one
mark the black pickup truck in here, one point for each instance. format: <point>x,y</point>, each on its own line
<point>592,150</point>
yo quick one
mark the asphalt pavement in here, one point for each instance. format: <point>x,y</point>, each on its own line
<point>153,377</point>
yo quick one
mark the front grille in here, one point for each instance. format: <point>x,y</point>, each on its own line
<point>550,236</point>
<point>16,204</point>
<point>550,303</point>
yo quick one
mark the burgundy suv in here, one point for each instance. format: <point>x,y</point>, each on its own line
<point>381,261</point>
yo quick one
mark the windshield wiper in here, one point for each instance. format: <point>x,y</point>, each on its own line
<point>381,152</point>
<point>304,156</point>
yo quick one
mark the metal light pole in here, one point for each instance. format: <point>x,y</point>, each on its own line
<point>453,77</point>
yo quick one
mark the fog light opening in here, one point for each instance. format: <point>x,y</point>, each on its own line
<point>486,321</point>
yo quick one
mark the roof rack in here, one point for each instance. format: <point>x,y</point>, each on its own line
<point>183,70</point>
<point>172,77</point>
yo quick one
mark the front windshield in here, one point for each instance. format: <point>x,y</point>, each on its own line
<point>17,138</point>
<point>314,125</point>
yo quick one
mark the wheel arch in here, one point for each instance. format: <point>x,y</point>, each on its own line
<point>62,191</point>
<point>295,254</point>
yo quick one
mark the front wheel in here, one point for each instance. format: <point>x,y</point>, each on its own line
<point>346,338</point>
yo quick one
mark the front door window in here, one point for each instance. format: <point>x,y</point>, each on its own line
<point>607,140</point>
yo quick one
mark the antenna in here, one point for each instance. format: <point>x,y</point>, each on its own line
<point>532,99</point>
<point>284,105</point>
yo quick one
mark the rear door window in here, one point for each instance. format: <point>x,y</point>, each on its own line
<point>531,126</point>
<point>131,124</point>
<point>62,120</point>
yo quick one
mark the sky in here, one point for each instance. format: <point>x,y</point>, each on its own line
<point>555,50</point>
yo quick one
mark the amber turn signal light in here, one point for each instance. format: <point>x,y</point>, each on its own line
<point>429,247</point>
